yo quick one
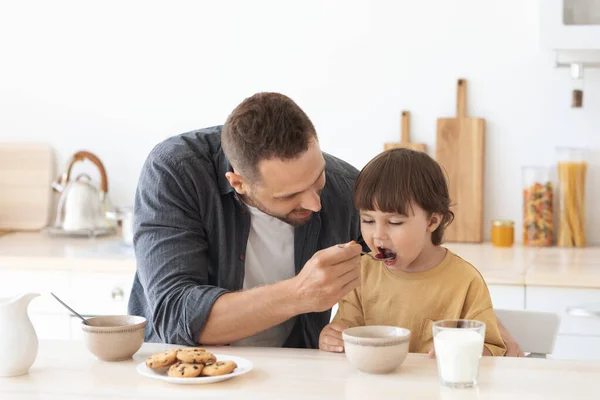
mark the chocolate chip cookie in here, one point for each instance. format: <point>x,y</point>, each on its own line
<point>185,370</point>
<point>219,368</point>
<point>195,355</point>
<point>163,359</point>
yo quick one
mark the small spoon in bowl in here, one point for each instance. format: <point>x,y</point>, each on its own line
<point>70,309</point>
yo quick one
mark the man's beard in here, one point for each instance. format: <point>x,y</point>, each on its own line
<point>287,218</point>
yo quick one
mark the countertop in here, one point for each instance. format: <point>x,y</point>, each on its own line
<point>534,266</point>
<point>517,265</point>
<point>66,370</point>
<point>40,251</point>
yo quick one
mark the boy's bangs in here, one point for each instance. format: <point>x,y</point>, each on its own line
<point>379,187</point>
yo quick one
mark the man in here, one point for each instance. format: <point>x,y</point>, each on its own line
<point>237,232</point>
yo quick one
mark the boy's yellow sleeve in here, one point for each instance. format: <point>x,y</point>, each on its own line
<point>350,311</point>
<point>478,305</point>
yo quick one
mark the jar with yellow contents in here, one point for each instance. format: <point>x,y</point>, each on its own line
<point>572,174</point>
<point>503,233</point>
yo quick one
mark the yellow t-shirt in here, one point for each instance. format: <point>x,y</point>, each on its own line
<point>451,290</point>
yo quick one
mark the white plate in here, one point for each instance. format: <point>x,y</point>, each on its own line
<point>243,366</point>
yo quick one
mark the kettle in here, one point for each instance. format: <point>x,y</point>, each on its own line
<point>82,206</point>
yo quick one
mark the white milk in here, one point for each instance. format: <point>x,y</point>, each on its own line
<point>458,352</point>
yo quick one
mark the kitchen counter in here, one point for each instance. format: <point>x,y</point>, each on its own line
<point>578,268</point>
<point>41,251</point>
<point>516,266</point>
<point>498,266</point>
<point>65,370</point>
<point>531,266</point>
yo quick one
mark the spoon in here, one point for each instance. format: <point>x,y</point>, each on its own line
<point>364,253</point>
<point>70,309</point>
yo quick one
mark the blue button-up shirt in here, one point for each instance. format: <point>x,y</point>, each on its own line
<point>191,232</point>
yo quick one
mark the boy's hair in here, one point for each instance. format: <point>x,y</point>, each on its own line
<point>395,178</point>
<point>263,126</point>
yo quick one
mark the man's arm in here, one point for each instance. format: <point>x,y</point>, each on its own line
<point>235,316</point>
<point>326,277</point>
<point>512,347</point>
<point>171,251</point>
<point>173,268</point>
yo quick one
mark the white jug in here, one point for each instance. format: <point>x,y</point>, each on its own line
<point>18,340</point>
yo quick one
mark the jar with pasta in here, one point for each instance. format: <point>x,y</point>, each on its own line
<point>572,173</point>
<point>538,206</point>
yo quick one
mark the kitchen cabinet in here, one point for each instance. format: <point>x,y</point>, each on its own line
<point>100,293</point>
<point>89,293</point>
<point>571,27</point>
<point>94,276</point>
<point>508,297</point>
<point>578,337</point>
<point>575,347</point>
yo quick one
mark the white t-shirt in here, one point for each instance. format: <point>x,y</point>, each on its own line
<point>269,259</point>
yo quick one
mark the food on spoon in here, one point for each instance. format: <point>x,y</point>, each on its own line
<point>385,253</point>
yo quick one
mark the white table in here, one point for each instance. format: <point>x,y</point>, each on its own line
<point>65,370</point>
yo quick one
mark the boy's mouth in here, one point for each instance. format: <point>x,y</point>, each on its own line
<point>385,253</point>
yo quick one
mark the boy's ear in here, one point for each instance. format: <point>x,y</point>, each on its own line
<point>434,221</point>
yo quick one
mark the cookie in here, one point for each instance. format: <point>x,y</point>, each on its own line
<point>195,355</point>
<point>185,370</point>
<point>163,359</point>
<point>219,368</point>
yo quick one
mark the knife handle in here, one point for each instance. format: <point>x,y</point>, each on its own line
<point>461,98</point>
<point>405,127</point>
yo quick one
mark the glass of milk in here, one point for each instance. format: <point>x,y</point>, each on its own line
<point>458,347</point>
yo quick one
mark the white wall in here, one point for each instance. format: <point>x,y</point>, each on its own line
<point>116,77</point>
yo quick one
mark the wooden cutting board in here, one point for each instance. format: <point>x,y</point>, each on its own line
<point>26,174</point>
<point>460,150</point>
<point>405,136</point>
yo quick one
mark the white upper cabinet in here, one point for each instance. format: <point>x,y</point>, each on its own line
<point>571,28</point>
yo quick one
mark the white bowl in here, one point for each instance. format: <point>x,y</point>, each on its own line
<point>114,337</point>
<point>376,349</point>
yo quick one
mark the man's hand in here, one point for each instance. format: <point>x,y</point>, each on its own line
<point>324,280</point>
<point>331,338</point>
<point>328,276</point>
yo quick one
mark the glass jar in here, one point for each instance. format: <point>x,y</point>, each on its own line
<point>538,206</point>
<point>572,173</point>
<point>503,233</point>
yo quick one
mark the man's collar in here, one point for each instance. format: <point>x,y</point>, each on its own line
<point>223,166</point>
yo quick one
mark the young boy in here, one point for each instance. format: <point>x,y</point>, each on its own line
<point>404,205</point>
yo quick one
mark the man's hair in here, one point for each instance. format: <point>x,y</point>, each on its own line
<point>264,126</point>
<point>397,178</point>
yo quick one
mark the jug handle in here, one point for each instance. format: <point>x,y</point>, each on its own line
<point>82,155</point>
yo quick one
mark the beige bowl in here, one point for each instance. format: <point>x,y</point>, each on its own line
<point>376,349</point>
<point>114,337</point>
